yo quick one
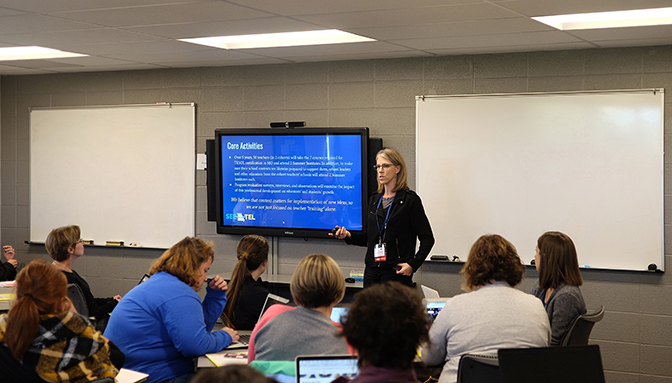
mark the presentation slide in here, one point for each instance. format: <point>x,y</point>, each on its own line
<point>292,181</point>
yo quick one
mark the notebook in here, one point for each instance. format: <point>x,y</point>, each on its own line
<point>325,368</point>
<point>434,305</point>
<point>576,364</point>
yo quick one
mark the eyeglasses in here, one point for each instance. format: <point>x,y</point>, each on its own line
<point>383,166</point>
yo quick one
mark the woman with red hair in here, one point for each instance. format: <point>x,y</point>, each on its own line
<point>41,339</point>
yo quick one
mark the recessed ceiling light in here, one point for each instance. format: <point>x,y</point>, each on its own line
<point>616,19</point>
<point>285,39</point>
<point>33,53</point>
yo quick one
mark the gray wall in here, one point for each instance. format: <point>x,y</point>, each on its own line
<point>636,334</point>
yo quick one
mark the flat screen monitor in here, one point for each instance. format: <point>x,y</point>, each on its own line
<point>291,182</point>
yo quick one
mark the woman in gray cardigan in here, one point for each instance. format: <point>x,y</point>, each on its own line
<point>559,281</point>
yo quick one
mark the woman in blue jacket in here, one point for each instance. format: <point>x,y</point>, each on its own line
<point>395,222</point>
<point>161,325</point>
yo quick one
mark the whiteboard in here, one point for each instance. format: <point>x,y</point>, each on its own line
<point>122,173</point>
<point>589,164</point>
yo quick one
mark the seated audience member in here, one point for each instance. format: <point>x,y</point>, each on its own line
<point>161,324</point>
<point>65,246</point>
<point>238,373</point>
<point>317,286</point>
<point>492,315</point>
<point>559,281</point>
<point>386,324</point>
<point>42,340</point>
<point>247,292</point>
<point>8,269</point>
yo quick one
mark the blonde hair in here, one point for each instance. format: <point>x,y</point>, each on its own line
<point>317,282</point>
<point>397,160</point>
<point>60,240</point>
<point>184,258</point>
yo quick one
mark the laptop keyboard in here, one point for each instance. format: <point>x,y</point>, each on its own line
<point>244,339</point>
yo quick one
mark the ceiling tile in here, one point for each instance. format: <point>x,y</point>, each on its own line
<point>319,7</point>
<point>466,28</point>
<point>164,14</point>
<point>28,23</point>
<point>225,28</point>
<point>419,16</point>
<point>546,8</point>
<point>141,34</point>
<point>51,6</point>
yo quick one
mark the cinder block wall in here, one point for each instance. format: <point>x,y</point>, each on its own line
<point>636,334</point>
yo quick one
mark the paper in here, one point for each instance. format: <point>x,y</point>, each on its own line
<point>129,376</point>
<point>225,358</point>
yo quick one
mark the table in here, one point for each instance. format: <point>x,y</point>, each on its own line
<point>6,288</point>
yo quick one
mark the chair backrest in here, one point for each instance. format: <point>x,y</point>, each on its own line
<point>11,370</point>
<point>77,297</point>
<point>575,364</point>
<point>579,329</point>
<point>478,369</point>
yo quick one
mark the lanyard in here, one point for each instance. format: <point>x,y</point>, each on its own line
<point>380,231</point>
<point>543,298</point>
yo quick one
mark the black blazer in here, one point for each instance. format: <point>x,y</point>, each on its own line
<point>406,224</point>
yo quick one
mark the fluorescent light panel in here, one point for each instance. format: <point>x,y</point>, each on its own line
<point>285,39</point>
<point>33,53</point>
<point>616,19</point>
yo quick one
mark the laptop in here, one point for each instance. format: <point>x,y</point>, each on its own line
<point>272,299</point>
<point>144,278</point>
<point>338,313</point>
<point>576,364</point>
<point>434,306</point>
<point>325,368</point>
<point>244,341</point>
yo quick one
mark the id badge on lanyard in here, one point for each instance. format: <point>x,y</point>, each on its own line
<point>379,251</point>
<point>379,254</point>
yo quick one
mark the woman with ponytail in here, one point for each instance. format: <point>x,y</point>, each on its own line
<point>41,339</point>
<point>247,292</point>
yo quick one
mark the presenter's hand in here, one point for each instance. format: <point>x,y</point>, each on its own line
<point>341,232</point>
<point>218,283</point>
<point>8,252</point>
<point>406,269</point>
<point>13,262</point>
<point>233,333</point>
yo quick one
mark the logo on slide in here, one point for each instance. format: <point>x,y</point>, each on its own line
<point>240,217</point>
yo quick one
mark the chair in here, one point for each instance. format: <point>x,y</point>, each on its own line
<point>478,369</point>
<point>77,297</point>
<point>11,370</point>
<point>575,364</point>
<point>579,329</point>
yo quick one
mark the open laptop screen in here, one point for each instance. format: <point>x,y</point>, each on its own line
<point>434,306</point>
<point>272,299</point>
<point>338,313</point>
<point>325,368</point>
